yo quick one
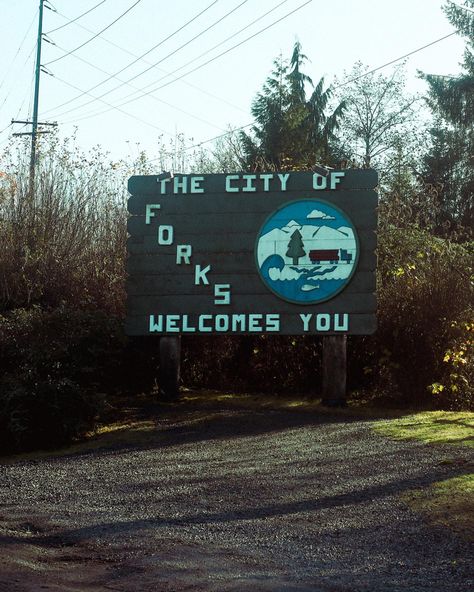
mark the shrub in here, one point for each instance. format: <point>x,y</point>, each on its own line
<point>56,363</point>
<point>424,286</point>
<point>263,363</point>
<point>44,413</point>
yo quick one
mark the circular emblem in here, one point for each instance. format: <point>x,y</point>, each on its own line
<point>307,251</point>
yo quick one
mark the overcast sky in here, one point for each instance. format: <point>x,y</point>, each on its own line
<point>203,103</point>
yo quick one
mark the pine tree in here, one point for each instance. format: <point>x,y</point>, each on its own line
<point>291,131</point>
<point>295,247</point>
<point>451,161</point>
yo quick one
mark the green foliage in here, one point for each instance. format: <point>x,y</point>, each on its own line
<point>425,292</point>
<point>378,114</point>
<point>450,162</point>
<point>56,363</point>
<point>44,413</point>
<point>291,131</point>
<point>256,364</point>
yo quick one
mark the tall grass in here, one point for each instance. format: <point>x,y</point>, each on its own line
<point>66,241</point>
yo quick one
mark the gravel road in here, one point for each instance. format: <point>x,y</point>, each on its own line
<point>232,500</point>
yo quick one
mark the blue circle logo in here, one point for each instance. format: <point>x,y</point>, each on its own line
<point>307,251</point>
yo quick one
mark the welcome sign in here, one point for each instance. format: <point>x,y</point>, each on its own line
<point>279,253</point>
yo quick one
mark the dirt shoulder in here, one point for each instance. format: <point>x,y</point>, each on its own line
<point>219,494</point>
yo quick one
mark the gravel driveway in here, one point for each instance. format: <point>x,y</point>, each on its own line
<point>232,499</point>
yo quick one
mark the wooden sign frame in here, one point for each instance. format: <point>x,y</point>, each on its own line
<point>199,259</point>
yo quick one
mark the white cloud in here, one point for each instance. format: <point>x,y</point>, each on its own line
<point>320,215</point>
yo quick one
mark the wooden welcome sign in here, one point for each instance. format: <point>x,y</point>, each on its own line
<point>288,253</point>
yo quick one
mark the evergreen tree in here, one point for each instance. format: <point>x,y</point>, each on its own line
<point>291,130</point>
<point>295,247</point>
<point>450,163</point>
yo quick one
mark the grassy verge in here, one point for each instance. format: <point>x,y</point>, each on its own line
<point>448,503</point>
<point>432,427</point>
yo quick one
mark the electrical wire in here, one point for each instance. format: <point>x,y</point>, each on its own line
<point>75,19</point>
<point>95,36</point>
<point>162,59</point>
<point>394,61</point>
<point>125,50</point>
<point>208,61</point>
<point>338,86</point>
<point>136,60</point>
<point>18,51</point>
<point>152,96</point>
<point>141,91</point>
<point>118,108</point>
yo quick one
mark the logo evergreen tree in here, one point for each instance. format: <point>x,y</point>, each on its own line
<point>295,247</point>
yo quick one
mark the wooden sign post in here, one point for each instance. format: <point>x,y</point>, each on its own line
<point>266,253</point>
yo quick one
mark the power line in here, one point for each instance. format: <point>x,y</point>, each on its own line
<point>95,36</point>
<point>162,59</point>
<point>141,90</point>
<point>144,94</point>
<point>75,19</point>
<point>153,97</point>
<point>208,61</point>
<point>18,50</point>
<point>118,109</point>
<point>137,59</point>
<point>338,86</point>
<point>394,61</point>
<point>202,65</point>
<point>125,50</point>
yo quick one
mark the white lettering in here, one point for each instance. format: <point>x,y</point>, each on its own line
<point>341,325</point>
<point>180,184</point>
<point>156,325</point>
<point>306,319</point>
<point>183,253</point>
<point>202,327</point>
<point>163,184</point>
<point>283,180</point>
<point>228,186</point>
<point>186,327</point>
<point>254,322</point>
<point>266,181</point>
<point>172,323</point>
<point>273,322</point>
<point>249,187</point>
<point>150,212</point>
<point>195,185</point>
<point>238,322</point>
<point>222,323</point>
<point>319,182</point>
<point>165,235</point>
<point>201,274</point>
<point>336,179</point>
<point>222,294</point>
<point>323,322</point>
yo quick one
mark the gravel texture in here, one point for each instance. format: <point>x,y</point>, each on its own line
<point>232,500</point>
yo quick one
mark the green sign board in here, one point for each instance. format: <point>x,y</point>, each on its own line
<point>278,253</point>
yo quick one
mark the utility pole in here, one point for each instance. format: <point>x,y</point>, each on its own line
<point>34,132</point>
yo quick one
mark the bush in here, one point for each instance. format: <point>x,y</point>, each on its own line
<point>424,290</point>
<point>56,364</point>
<point>253,363</point>
<point>44,414</point>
